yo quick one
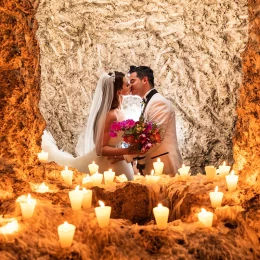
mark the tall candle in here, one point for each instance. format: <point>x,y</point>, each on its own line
<point>87,198</point>
<point>161,215</point>
<point>66,233</point>
<point>152,179</point>
<point>97,179</point>
<point>109,176</point>
<point>103,214</point>
<point>158,167</point>
<point>216,198</point>
<point>232,180</point>
<point>223,170</point>
<point>27,207</point>
<point>67,175</point>
<point>76,198</point>
<point>93,168</point>
<point>210,172</point>
<point>43,156</point>
<point>205,218</point>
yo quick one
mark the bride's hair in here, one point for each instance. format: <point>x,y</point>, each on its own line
<point>118,85</point>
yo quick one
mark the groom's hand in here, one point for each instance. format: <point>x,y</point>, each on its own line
<point>115,159</point>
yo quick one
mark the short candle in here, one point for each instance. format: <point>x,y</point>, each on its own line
<point>184,171</point>
<point>67,175</point>
<point>232,180</point>
<point>66,233</point>
<point>86,179</point>
<point>216,198</point>
<point>210,172</point>
<point>152,179</point>
<point>109,176</point>
<point>161,215</point>
<point>158,167</point>
<point>103,214</point>
<point>43,156</point>
<point>93,168</point>
<point>76,198</point>
<point>205,218</point>
<point>223,170</point>
<point>27,207</point>
<point>87,198</point>
<point>97,179</point>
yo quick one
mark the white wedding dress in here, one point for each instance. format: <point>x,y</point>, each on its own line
<point>81,163</point>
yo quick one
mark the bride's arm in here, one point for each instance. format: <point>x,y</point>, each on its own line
<point>108,150</point>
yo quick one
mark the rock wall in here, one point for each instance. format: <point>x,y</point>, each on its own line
<point>193,47</point>
<point>247,135</point>
<point>21,123</point>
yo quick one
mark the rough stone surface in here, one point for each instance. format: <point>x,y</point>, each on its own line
<point>21,123</point>
<point>193,46</point>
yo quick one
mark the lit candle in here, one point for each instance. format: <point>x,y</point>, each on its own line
<point>232,180</point>
<point>27,207</point>
<point>43,188</point>
<point>103,214</point>
<point>161,215</point>
<point>223,170</point>
<point>158,167</point>
<point>76,198</point>
<point>184,171</point>
<point>97,179</point>
<point>67,175</point>
<point>87,198</point>
<point>205,218</point>
<point>210,172</point>
<point>152,179</point>
<point>93,168</point>
<point>109,176</point>
<point>43,156</point>
<point>10,228</point>
<point>86,179</point>
<point>137,176</point>
<point>216,198</point>
<point>66,233</point>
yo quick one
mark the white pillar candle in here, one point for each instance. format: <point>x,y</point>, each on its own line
<point>43,156</point>
<point>152,179</point>
<point>205,218</point>
<point>76,198</point>
<point>216,198</point>
<point>97,179</point>
<point>66,233</point>
<point>223,170</point>
<point>93,168</point>
<point>103,214</point>
<point>27,207</point>
<point>161,215</point>
<point>184,171</point>
<point>109,176</point>
<point>210,172</point>
<point>87,198</point>
<point>232,180</point>
<point>158,167</point>
<point>67,175</point>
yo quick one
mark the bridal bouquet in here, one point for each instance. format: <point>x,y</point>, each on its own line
<point>141,135</point>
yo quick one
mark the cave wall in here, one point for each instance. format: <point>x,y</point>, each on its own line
<point>193,47</point>
<point>247,134</point>
<point>21,123</point>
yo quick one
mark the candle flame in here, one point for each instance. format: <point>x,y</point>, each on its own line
<point>66,168</point>
<point>77,188</point>
<point>65,224</point>
<point>101,203</point>
<point>183,165</point>
<point>93,162</point>
<point>216,189</point>
<point>159,205</point>
<point>10,228</point>
<point>110,170</point>
<point>158,160</point>
<point>29,198</point>
<point>224,163</point>
<point>203,210</point>
<point>232,172</point>
<point>152,172</point>
<point>138,173</point>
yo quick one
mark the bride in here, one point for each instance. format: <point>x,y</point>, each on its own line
<point>94,143</point>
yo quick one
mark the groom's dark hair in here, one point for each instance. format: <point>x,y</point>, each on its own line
<point>143,71</point>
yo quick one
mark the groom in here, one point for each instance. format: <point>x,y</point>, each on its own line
<point>160,111</point>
